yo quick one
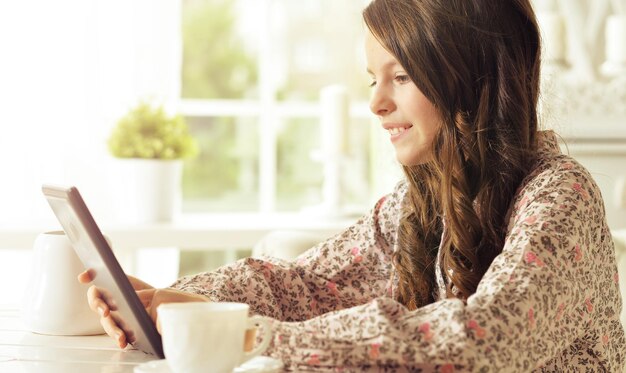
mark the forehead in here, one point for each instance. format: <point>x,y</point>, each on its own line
<point>378,58</point>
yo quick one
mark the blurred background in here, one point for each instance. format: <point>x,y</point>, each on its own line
<point>248,76</point>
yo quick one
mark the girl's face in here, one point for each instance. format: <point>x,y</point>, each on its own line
<point>408,116</point>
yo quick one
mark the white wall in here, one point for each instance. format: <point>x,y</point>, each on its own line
<point>69,69</point>
<point>607,165</point>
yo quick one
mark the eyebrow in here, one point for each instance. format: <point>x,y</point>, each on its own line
<point>387,64</point>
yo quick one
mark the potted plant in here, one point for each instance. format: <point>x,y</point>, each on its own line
<point>149,146</point>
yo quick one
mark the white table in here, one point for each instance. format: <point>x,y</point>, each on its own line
<point>23,351</point>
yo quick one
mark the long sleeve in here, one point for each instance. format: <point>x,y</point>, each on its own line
<point>549,301</point>
<point>349,269</point>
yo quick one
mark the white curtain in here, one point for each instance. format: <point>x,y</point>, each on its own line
<point>68,70</point>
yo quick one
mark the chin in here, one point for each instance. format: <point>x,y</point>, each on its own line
<point>412,159</point>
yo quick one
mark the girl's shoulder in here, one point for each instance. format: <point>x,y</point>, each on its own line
<point>557,180</point>
<point>555,171</point>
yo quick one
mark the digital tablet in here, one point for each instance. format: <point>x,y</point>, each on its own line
<point>96,255</point>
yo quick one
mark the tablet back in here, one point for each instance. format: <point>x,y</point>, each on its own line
<point>97,256</point>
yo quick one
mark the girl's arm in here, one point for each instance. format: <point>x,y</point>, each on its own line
<point>349,269</point>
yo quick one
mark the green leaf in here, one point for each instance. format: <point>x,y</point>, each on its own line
<point>148,132</point>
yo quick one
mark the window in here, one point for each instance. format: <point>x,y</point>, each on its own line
<point>252,74</point>
<point>250,82</point>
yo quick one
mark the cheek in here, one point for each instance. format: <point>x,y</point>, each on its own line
<point>428,111</point>
<point>421,109</point>
<point>427,119</point>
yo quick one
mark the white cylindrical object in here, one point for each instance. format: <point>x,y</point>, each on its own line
<point>55,303</point>
<point>188,328</point>
<point>616,38</point>
<point>334,122</point>
<point>146,190</point>
<point>552,34</point>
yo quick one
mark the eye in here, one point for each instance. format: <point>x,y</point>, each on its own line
<point>402,78</point>
<point>373,83</point>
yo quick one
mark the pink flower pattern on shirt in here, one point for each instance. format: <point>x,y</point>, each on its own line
<point>374,351</point>
<point>549,302</point>
<point>356,254</point>
<point>425,330</point>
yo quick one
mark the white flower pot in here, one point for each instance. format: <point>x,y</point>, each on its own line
<point>146,190</point>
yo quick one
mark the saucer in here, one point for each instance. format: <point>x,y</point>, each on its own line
<point>259,364</point>
<point>154,366</point>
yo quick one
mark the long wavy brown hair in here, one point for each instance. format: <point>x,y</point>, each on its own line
<point>478,62</point>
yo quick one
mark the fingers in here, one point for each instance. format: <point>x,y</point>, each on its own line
<point>100,301</point>
<point>86,277</point>
<point>157,299</point>
<point>138,284</point>
<point>94,298</point>
<point>113,330</point>
<point>152,298</point>
<point>146,296</point>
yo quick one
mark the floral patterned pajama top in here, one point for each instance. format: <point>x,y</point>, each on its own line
<point>549,302</point>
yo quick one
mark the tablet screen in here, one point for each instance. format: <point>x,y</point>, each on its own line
<point>96,255</point>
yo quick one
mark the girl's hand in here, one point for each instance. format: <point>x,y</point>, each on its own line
<point>152,298</point>
<point>101,302</point>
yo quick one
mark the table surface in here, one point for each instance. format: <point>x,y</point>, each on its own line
<point>23,351</point>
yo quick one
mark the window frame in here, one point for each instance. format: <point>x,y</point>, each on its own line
<point>267,109</point>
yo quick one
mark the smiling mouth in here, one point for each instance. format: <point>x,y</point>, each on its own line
<point>398,130</point>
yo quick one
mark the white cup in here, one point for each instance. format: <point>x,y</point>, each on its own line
<point>208,337</point>
<point>55,302</point>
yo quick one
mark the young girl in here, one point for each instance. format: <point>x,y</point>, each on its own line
<point>493,254</point>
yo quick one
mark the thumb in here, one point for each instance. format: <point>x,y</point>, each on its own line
<point>158,325</point>
<point>86,277</point>
<point>146,297</point>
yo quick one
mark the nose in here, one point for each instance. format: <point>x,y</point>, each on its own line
<point>381,103</point>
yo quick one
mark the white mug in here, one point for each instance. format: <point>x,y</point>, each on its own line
<point>55,302</point>
<point>208,336</point>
